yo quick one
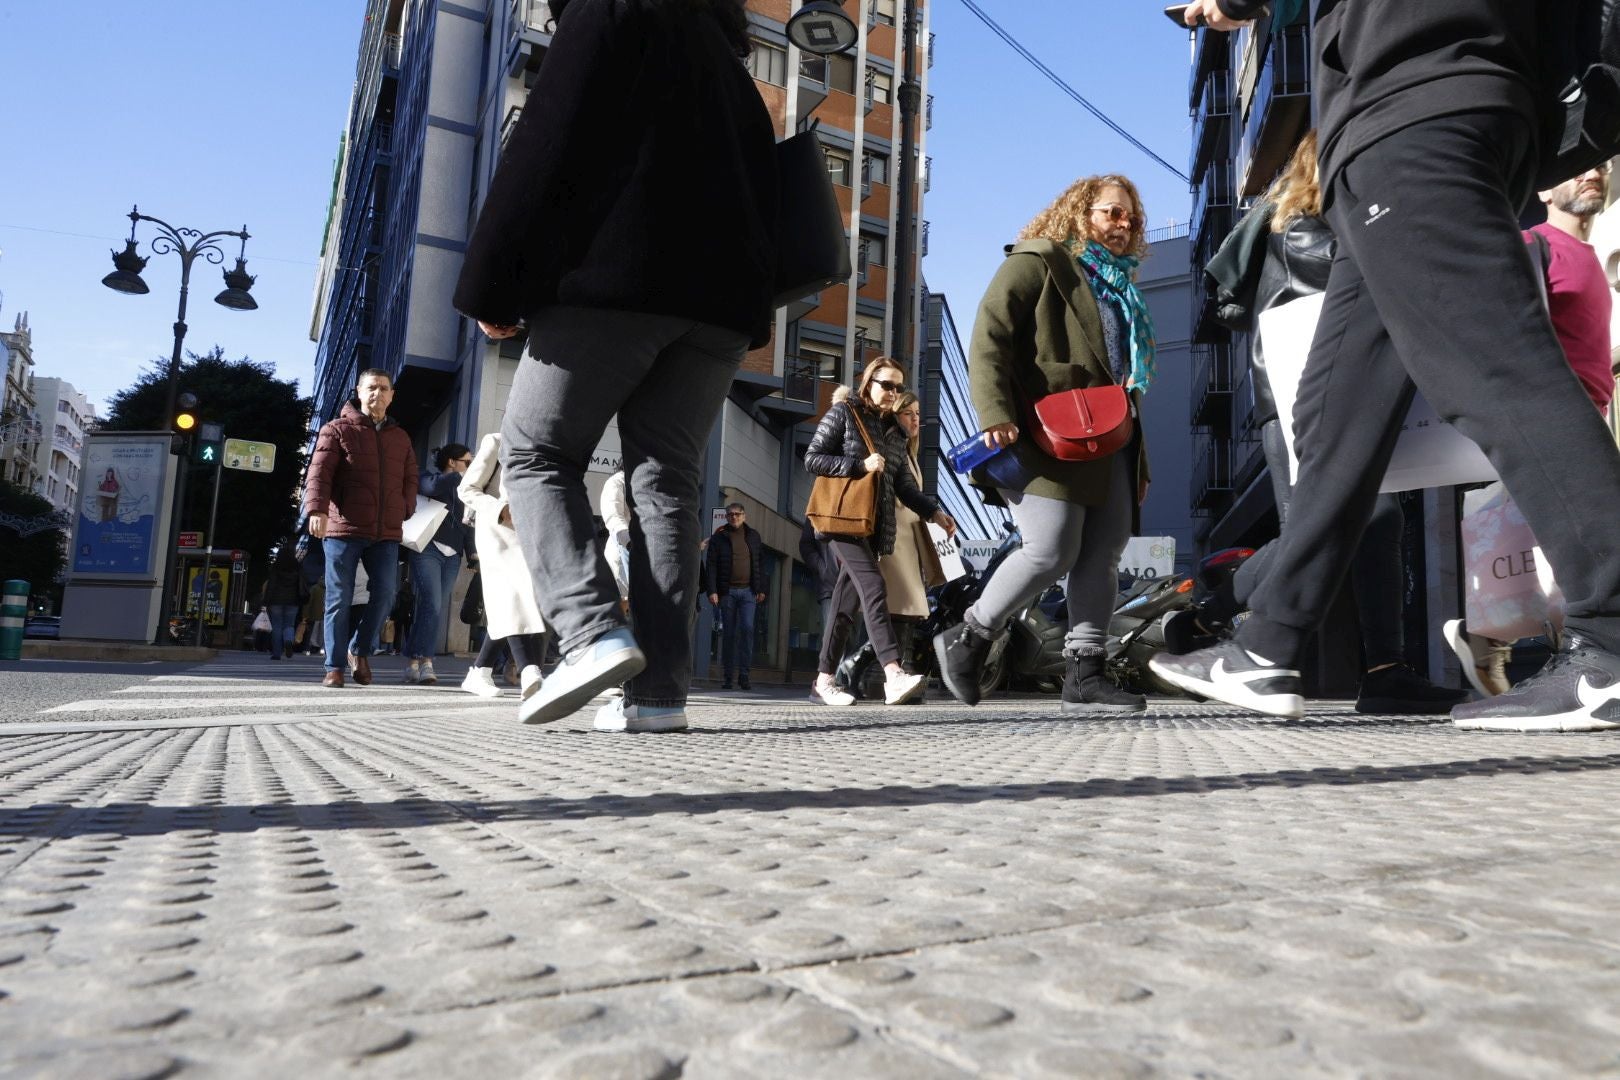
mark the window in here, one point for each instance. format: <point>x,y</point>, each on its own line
<point>883,12</point>
<point>879,87</point>
<point>829,359</point>
<point>841,72</point>
<point>875,249</point>
<point>813,68</point>
<point>876,167</point>
<point>768,63</point>
<point>839,164</point>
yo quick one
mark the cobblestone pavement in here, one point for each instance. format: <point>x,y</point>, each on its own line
<point>232,872</point>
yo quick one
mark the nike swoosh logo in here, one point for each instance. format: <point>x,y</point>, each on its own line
<point>1218,672</point>
<point>1591,696</point>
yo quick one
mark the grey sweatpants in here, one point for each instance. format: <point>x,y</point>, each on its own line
<point>1064,538</point>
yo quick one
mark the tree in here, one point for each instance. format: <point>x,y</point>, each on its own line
<point>256,510</point>
<point>31,538</point>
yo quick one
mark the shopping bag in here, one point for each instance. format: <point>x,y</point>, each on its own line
<point>1429,452</point>
<point>1509,592</point>
<point>418,530</point>
<point>261,622</point>
<point>948,551</point>
<point>812,250</point>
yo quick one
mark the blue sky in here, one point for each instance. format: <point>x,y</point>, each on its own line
<point>217,113</point>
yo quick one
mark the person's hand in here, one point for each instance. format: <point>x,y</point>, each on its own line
<point>506,517</point>
<point>495,332</point>
<point>944,521</point>
<point>874,463</point>
<point>1142,490</point>
<point>317,525</point>
<point>714,598</point>
<point>759,598</point>
<point>1001,435</point>
<point>1209,12</point>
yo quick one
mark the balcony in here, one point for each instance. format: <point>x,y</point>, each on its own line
<point>510,122</point>
<point>1280,110</point>
<point>1212,51</point>
<point>1212,386</point>
<point>529,40</point>
<point>812,82</point>
<point>928,174</point>
<point>1213,192</point>
<point>1212,121</point>
<point>928,114</point>
<point>788,398</point>
<point>1211,486</point>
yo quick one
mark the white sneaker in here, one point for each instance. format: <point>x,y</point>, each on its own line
<point>1484,660</point>
<point>584,673</point>
<point>899,689</point>
<point>413,672</point>
<point>619,716</point>
<point>531,680</point>
<point>426,676</point>
<point>825,692</point>
<point>481,681</point>
<point>1228,674</point>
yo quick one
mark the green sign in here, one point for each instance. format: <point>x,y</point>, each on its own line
<point>250,456</point>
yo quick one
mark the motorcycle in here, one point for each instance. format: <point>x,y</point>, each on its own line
<point>1176,614</point>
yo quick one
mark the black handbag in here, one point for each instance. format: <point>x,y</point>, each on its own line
<point>812,249</point>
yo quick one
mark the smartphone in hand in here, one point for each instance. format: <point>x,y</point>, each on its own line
<point>1177,13</point>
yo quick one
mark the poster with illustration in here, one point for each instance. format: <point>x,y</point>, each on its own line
<point>210,594</point>
<point>120,504</point>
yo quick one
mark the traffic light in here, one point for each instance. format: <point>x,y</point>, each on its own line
<point>184,422</point>
<point>209,444</point>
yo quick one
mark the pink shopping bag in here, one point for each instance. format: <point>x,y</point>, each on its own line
<point>1509,592</point>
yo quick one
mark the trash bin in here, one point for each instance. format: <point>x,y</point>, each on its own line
<point>13,613</point>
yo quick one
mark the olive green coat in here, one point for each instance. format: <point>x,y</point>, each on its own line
<point>1038,331</point>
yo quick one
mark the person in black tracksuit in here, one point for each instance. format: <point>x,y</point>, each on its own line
<point>1429,116</point>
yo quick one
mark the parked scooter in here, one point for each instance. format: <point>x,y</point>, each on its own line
<point>1175,614</point>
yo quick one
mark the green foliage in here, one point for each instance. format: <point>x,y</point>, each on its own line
<point>255,509</point>
<point>39,558</point>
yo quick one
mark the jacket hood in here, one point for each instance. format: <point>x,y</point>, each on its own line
<point>842,393</point>
<point>353,410</point>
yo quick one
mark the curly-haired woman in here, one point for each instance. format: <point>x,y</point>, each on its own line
<point>1062,313</point>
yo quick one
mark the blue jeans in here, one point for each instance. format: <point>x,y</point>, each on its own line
<point>736,630</point>
<point>283,625</point>
<point>382,572</point>
<point>433,576</point>
<point>666,379</point>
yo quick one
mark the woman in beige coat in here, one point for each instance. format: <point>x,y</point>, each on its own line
<point>902,568</point>
<point>510,608</point>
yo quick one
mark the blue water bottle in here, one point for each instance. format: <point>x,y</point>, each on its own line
<point>970,453</point>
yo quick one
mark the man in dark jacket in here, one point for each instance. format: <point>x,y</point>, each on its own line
<point>643,281</point>
<point>736,583</point>
<point>360,489</point>
<point>1429,117</point>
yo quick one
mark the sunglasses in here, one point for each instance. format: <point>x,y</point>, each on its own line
<point>892,387</point>
<point>1118,214</point>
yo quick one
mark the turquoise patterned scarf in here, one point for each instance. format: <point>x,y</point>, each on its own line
<point>1112,275</point>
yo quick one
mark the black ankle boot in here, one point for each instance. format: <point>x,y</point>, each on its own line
<point>1087,690</point>
<point>961,652</point>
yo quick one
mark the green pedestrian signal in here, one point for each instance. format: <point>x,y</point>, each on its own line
<point>208,443</point>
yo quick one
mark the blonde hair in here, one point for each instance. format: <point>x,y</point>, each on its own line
<point>870,372</point>
<point>1067,219</point>
<point>1297,192</point>
<point>901,404</point>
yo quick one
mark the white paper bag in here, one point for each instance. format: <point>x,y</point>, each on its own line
<point>1429,452</point>
<point>950,552</point>
<point>419,528</point>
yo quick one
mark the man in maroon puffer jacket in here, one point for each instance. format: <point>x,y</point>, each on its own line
<point>360,489</point>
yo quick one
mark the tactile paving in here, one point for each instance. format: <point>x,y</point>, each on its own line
<point>785,890</point>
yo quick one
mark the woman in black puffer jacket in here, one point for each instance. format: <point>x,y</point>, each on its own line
<point>837,449</point>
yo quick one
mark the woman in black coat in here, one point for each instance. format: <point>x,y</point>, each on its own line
<point>839,449</point>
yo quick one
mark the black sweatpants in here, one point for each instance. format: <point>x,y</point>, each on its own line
<point>859,589</point>
<point>1433,284</point>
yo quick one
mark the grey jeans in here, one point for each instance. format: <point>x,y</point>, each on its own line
<point>1065,538</point>
<point>666,379</point>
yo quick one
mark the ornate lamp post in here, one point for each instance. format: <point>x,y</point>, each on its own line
<point>126,278</point>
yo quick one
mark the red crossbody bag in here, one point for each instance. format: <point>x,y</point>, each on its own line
<point>1084,424</point>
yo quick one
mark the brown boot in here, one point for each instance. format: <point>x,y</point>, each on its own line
<point>333,679</point>
<point>362,670</point>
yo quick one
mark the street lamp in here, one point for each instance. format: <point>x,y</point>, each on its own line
<point>823,27</point>
<point>126,278</point>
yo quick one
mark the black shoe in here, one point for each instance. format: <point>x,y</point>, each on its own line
<point>1087,690</point>
<point>744,683</point>
<point>1578,690</point>
<point>1228,674</point>
<point>727,684</point>
<point>1400,691</point>
<point>961,653</point>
